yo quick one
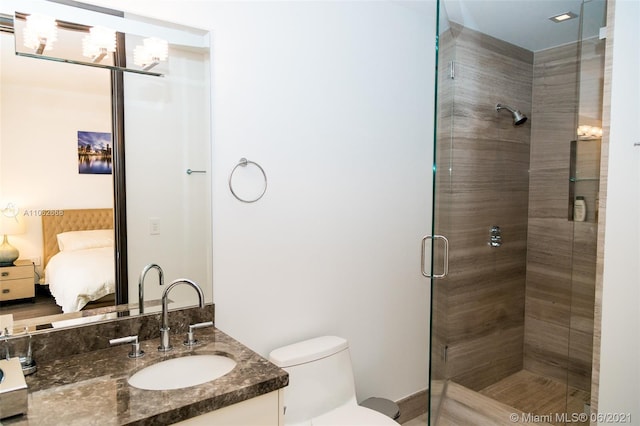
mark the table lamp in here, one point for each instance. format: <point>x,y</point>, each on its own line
<point>11,223</point>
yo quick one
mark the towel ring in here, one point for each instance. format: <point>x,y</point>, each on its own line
<point>243,162</point>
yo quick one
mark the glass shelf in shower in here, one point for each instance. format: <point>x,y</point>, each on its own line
<point>584,179</point>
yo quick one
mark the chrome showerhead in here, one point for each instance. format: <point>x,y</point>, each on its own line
<point>518,117</point>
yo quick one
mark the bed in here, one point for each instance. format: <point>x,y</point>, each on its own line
<point>78,257</point>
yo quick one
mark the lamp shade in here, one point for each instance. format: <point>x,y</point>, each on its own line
<point>11,223</point>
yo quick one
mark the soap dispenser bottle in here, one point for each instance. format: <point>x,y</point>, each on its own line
<point>579,209</point>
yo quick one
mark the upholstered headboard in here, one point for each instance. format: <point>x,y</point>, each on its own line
<point>71,220</point>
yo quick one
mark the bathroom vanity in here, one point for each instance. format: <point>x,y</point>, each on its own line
<point>92,387</point>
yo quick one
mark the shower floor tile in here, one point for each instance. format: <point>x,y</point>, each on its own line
<point>462,406</point>
<point>533,393</point>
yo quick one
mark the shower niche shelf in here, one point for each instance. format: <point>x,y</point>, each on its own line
<point>584,168</point>
<point>584,179</point>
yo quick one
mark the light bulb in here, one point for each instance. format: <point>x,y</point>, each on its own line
<point>150,53</point>
<point>99,43</point>
<point>40,33</point>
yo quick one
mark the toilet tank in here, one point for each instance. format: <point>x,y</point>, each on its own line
<point>320,377</point>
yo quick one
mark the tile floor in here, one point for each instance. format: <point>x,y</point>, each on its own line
<point>418,421</point>
<point>521,393</point>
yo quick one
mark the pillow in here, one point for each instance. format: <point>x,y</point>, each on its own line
<point>80,240</point>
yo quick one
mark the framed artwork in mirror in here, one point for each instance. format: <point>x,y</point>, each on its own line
<point>94,153</point>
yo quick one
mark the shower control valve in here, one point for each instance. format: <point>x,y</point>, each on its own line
<point>495,236</point>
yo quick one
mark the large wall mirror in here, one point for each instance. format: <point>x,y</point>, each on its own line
<point>58,162</point>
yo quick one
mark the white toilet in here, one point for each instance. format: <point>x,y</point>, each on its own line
<point>321,389</point>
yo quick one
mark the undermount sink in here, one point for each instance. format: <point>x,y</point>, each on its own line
<point>182,372</point>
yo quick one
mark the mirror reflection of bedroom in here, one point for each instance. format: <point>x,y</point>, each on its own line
<point>55,156</point>
<point>55,161</point>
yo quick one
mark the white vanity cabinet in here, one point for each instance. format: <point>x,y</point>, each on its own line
<point>264,410</point>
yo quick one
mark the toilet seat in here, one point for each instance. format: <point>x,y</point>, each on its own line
<point>353,415</point>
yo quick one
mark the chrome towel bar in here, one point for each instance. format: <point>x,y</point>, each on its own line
<point>189,171</point>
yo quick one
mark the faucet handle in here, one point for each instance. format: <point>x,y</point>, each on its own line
<point>136,352</point>
<point>191,340</point>
<point>27,362</point>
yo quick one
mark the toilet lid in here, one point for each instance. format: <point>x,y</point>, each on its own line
<point>353,415</point>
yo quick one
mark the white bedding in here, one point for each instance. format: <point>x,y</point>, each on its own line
<point>78,277</point>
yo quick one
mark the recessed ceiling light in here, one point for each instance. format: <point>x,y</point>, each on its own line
<point>563,17</point>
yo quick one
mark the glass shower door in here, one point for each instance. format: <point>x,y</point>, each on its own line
<point>517,303</point>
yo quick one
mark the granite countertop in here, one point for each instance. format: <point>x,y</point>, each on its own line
<point>92,388</point>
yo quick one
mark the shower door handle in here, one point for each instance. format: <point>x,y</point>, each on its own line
<point>445,257</point>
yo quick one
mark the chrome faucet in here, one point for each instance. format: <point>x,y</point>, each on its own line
<point>143,274</point>
<point>165,344</point>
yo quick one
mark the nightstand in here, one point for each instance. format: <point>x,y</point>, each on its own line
<point>16,282</point>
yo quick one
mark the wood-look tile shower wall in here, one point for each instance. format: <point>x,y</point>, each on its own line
<point>529,303</point>
<point>483,180</point>
<point>561,260</point>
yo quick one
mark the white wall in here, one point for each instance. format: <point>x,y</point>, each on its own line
<point>335,101</point>
<point>620,351</point>
<point>43,105</point>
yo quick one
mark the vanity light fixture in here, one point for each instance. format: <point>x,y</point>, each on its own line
<point>99,43</point>
<point>40,32</point>
<point>151,53</point>
<point>563,17</point>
